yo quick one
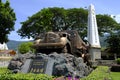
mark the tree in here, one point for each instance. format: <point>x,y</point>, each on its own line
<point>25,47</point>
<point>106,24</point>
<point>77,20</point>
<point>57,19</point>
<point>54,19</point>
<point>7,20</point>
<point>113,43</point>
<point>48,19</point>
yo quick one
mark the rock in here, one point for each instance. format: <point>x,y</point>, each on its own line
<point>60,70</point>
<point>79,60</point>
<point>68,64</point>
<point>56,65</point>
<point>70,68</point>
<point>16,70</point>
<point>59,58</point>
<point>15,64</point>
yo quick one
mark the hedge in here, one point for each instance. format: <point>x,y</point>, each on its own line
<point>6,74</point>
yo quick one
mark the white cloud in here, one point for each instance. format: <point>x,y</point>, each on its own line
<point>117,17</point>
<point>26,39</point>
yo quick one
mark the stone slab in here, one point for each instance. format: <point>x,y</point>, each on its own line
<point>49,68</point>
<point>25,67</point>
<point>38,66</point>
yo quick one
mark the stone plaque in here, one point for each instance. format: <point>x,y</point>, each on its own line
<point>38,66</point>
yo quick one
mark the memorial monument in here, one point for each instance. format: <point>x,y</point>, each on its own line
<point>60,53</point>
<point>93,37</point>
<point>54,56</point>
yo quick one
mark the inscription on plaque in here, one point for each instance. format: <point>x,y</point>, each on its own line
<point>38,66</point>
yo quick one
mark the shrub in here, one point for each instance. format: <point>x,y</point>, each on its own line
<point>25,47</point>
<point>118,60</point>
<point>6,74</point>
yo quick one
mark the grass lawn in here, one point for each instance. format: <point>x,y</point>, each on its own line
<point>115,75</point>
<point>100,73</point>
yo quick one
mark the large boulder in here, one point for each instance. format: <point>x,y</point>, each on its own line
<point>63,64</point>
<point>15,64</point>
<point>67,64</point>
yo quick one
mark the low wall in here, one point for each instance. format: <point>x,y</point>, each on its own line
<point>4,63</point>
<point>106,62</point>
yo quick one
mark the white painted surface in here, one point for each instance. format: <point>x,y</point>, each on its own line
<point>4,63</point>
<point>93,37</point>
<point>3,46</point>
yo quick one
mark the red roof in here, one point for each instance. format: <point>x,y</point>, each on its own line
<point>11,52</point>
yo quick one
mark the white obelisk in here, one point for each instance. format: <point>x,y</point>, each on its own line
<point>93,37</point>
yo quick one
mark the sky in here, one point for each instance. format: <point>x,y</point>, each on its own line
<point>26,8</point>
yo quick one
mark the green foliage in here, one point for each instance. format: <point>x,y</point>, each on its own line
<point>113,43</point>
<point>118,60</point>
<point>4,70</point>
<point>6,74</point>
<point>7,20</point>
<point>77,20</point>
<point>25,47</point>
<point>54,19</point>
<point>106,24</point>
<point>57,19</point>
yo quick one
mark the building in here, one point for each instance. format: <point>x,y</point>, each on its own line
<point>6,56</point>
<point>3,46</point>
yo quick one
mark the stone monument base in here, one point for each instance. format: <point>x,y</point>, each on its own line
<point>54,64</point>
<point>95,53</point>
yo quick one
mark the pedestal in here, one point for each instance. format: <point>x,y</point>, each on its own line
<point>95,53</point>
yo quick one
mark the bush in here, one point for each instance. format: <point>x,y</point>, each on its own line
<point>28,76</point>
<point>25,47</point>
<point>6,74</point>
<point>118,60</point>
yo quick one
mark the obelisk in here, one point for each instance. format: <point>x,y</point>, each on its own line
<point>92,34</point>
